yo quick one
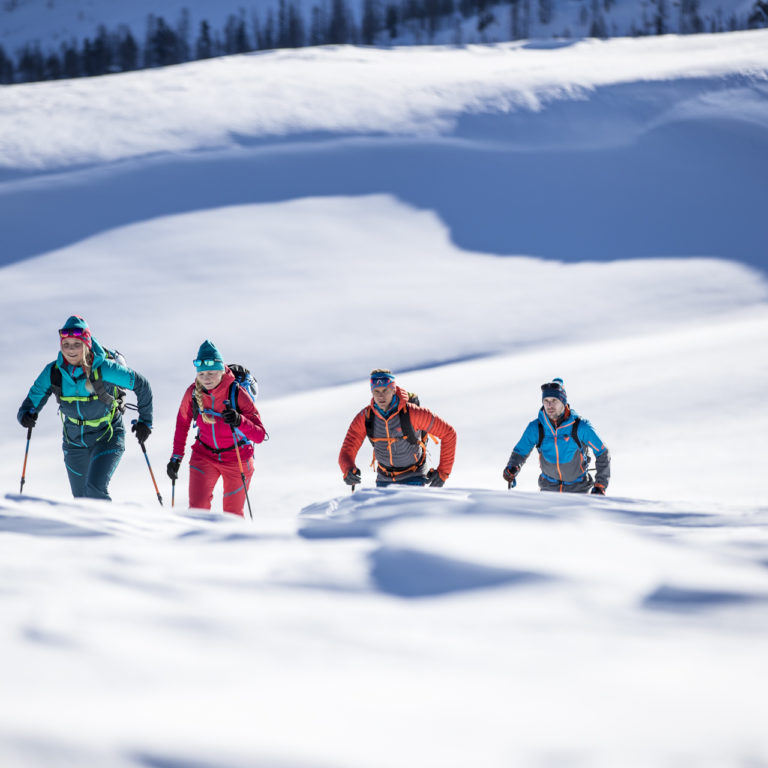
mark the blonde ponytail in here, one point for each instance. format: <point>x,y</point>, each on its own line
<point>198,395</point>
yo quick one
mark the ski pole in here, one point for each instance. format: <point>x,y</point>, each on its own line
<point>511,484</point>
<point>239,462</point>
<point>26,453</point>
<point>173,493</point>
<point>151,473</point>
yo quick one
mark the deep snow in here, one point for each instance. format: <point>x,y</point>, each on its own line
<point>465,626</point>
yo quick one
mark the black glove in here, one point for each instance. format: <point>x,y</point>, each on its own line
<point>510,473</point>
<point>173,468</point>
<point>352,477</point>
<point>28,419</point>
<point>142,431</point>
<point>599,489</point>
<point>231,417</point>
<point>434,479</point>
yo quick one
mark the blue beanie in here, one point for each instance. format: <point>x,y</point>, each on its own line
<point>206,354</point>
<point>556,389</point>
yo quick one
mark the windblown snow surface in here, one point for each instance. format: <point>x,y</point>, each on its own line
<point>480,220</point>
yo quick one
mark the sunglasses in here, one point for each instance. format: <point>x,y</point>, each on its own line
<point>67,332</point>
<point>553,385</point>
<point>383,382</point>
<point>205,363</point>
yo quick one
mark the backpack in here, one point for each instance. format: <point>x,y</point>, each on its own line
<point>244,380</point>
<point>405,422</point>
<point>114,398</point>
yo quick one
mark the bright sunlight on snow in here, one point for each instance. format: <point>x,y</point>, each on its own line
<point>480,220</point>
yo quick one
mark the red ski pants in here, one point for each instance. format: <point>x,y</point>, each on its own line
<point>204,473</point>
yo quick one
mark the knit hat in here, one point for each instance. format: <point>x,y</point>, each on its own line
<point>78,329</point>
<point>209,358</point>
<point>556,389</point>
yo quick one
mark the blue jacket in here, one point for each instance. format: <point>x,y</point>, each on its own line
<point>561,458</point>
<point>84,416</point>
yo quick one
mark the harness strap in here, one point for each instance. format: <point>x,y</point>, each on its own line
<point>217,451</point>
<point>393,472</point>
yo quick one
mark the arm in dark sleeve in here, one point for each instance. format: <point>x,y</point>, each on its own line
<point>589,437</point>
<point>143,398</point>
<point>38,394</point>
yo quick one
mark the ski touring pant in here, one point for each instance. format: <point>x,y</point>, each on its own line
<point>90,466</point>
<point>581,486</point>
<point>204,472</point>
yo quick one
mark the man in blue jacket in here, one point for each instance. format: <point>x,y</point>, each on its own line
<point>88,383</point>
<point>563,440</point>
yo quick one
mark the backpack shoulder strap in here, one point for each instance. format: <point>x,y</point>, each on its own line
<point>369,422</point>
<point>575,432</point>
<point>99,389</point>
<point>541,435</point>
<point>56,382</point>
<point>407,427</point>
<point>233,390</point>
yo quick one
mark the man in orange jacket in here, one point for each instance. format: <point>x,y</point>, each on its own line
<point>395,427</point>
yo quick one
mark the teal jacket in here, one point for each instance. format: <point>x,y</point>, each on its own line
<point>84,416</point>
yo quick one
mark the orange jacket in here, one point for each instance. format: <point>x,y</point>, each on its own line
<point>390,450</point>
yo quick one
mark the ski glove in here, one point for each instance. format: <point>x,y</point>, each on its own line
<point>599,489</point>
<point>231,417</point>
<point>142,431</point>
<point>173,468</point>
<point>352,477</point>
<point>510,473</point>
<point>434,479</point>
<point>28,419</point>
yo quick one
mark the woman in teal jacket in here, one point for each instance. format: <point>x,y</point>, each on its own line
<point>88,383</point>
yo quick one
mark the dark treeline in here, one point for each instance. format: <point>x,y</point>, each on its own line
<point>330,23</point>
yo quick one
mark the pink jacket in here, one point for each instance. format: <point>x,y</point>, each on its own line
<point>216,439</point>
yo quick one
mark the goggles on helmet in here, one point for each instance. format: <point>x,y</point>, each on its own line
<point>553,385</point>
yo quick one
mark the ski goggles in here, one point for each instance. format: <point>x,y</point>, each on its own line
<point>206,363</point>
<point>382,381</point>
<point>77,333</point>
<point>552,385</point>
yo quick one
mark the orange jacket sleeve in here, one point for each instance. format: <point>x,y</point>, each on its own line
<point>423,419</point>
<point>352,442</point>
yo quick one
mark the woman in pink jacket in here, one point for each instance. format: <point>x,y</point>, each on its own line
<point>222,413</point>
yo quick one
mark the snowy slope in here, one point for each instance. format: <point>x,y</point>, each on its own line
<point>465,626</point>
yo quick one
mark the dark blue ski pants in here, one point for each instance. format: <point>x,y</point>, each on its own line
<point>90,465</point>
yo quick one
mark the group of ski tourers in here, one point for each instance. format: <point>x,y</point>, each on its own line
<point>89,383</point>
